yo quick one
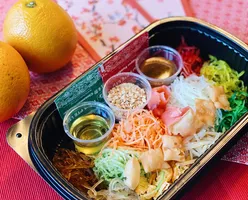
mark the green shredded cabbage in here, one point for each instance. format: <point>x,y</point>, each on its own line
<point>218,72</point>
<point>110,164</point>
<point>225,119</point>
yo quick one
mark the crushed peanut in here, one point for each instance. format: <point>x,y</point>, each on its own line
<point>127,96</point>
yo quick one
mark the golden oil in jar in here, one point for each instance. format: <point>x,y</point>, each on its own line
<point>158,68</point>
<point>89,127</point>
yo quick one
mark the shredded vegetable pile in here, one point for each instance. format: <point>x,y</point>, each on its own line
<point>110,164</point>
<point>154,184</point>
<point>198,143</point>
<point>150,148</point>
<point>76,168</point>
<point>185,90</point>
<point>110,167</point>
<point>218,72</point>
<point>117,190</point>
<point>191,58</point>
<point>239,104</point>
<point>140,130</point>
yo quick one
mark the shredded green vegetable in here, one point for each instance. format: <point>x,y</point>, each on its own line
<point>218,72</point>
<point>225,119</point>
<point>155,190</point>
<point>111,164</point>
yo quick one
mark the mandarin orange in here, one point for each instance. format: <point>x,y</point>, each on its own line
<point>14,81</point>
<point>42,32</point>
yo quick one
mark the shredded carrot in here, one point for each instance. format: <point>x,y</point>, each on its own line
<point>191,59</point>
<point>140,130</point>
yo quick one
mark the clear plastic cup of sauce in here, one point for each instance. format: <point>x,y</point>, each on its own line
<point>89,125</point>
<point>160,65</point>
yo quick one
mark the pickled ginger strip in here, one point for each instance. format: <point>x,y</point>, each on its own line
<point>173,114</point>
<point>159,98</point>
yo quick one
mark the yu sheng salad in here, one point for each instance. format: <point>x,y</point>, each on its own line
<point>150,148</point>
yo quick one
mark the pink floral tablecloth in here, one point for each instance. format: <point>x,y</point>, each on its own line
<point>103,26</point>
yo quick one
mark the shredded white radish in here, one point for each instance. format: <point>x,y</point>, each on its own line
<point>185,163</point>
<point>197,144</point>
<point>184,91</point>
<point>195,153</point>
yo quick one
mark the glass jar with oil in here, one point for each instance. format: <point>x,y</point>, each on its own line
<point>89,126</point>
<point>160,65</point>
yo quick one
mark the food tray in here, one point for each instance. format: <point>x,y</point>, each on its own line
<point>46,131</point>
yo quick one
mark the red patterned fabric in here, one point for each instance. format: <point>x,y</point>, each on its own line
<point>44,86</point>
<point>224,180</point>
<point>231,15</point>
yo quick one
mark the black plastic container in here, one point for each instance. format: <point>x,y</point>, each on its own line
<point>46,131</point>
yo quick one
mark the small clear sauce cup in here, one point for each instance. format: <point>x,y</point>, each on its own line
<point>166,52</point>
<point>90,146</point>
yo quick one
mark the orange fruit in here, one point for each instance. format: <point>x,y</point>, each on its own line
<point>42,32</point>
<point>14,81</point>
